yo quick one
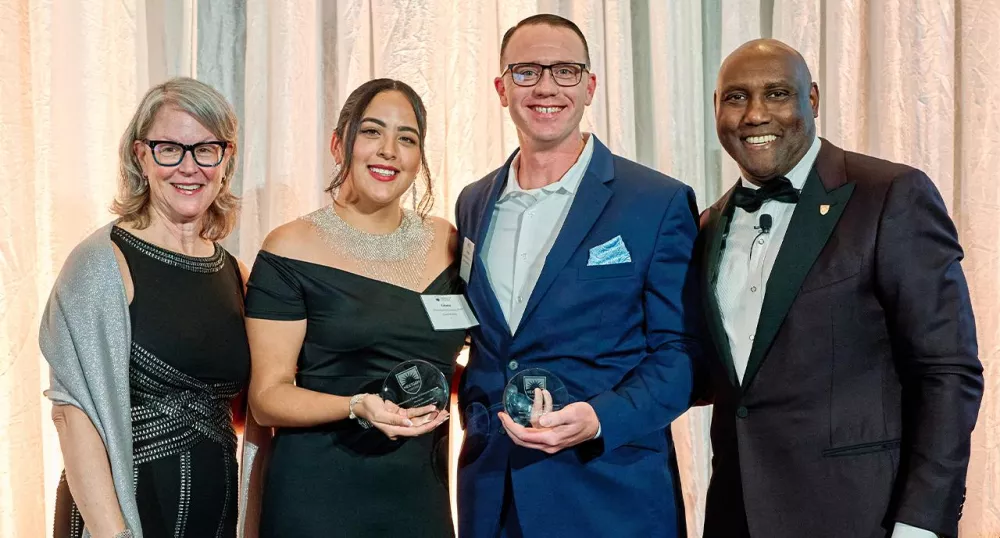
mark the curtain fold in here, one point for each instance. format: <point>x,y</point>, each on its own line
<point>67,91</point>
<point>906,80</point>
<point>976,207</point>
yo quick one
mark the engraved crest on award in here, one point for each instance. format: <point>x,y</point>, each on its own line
<point>409,380</point>
<point>416,383</point>
<point>520,400</point>
<point>532,382</point>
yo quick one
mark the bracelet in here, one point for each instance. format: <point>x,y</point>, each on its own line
<point>124,534</point>
<point>350,408</point>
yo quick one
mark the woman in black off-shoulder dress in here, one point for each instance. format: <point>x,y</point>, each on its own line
<point>333,304</point>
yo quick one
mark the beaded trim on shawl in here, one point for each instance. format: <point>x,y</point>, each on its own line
<point>209,264</point>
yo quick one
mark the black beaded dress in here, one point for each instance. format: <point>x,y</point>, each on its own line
<point>189,360</point>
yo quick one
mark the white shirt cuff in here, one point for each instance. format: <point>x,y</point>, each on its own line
<point>902,530</point>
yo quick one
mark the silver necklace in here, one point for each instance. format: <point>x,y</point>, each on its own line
<point>397,257</point>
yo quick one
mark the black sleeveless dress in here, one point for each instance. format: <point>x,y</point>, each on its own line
<point>189,360</point>
<point>339,479</point>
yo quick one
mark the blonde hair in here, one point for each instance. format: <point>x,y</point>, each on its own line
<point>212,111</point>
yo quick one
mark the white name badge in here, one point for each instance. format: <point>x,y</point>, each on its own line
<point>468,254</point>
<point>449,312</point>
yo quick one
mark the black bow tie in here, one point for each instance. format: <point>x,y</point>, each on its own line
<point>779,189</point>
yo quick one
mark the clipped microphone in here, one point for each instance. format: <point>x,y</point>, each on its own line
<point>764,226</point>
<point>765,223</point>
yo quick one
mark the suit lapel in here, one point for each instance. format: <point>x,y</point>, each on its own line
<point>718,222</point>
<point>588,204</point>
<point>480,289</point>
<point>822,202</point>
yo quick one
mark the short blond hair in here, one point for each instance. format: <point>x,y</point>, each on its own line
<point>205,104</point>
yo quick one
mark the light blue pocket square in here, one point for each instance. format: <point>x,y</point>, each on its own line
<point>610,253</point>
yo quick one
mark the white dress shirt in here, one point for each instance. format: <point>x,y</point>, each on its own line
<point>743,275</point>
<point>747,260</point>
<point>523,229</point>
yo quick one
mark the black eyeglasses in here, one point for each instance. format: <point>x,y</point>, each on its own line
<point>170,153</point>
<point>565,74</point>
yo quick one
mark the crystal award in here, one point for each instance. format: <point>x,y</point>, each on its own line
<point>520,400</point>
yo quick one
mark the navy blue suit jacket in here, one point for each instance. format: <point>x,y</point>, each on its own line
<point>621,337</point>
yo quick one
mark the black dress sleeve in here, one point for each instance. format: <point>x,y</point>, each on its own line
<point>274,290</point>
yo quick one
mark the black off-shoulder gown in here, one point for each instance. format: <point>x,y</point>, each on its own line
<point>338,479</point>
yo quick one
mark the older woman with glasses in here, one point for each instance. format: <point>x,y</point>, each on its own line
<point>145,338</point>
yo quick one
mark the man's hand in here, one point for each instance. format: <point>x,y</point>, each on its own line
<point>553,431</point>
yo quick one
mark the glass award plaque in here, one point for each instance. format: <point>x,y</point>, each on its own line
<point>416,383</point>
<point>520,400</point>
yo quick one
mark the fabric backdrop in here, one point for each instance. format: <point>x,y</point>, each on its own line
<point>907,80</point>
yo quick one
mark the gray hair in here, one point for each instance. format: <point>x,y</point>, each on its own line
<point>212,111</point>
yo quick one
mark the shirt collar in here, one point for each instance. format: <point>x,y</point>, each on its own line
<point>568,183</point>
<point>800,172</point>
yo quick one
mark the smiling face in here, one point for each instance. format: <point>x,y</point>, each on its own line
<point>545,114</point>
<point>386,155</point>
<point>765,109</point>
<point>183,193</point>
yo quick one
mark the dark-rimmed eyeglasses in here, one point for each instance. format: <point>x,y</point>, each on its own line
<point>170,153</point>
<point>528,74</point>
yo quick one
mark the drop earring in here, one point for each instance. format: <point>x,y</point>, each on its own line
<point>334,174</point>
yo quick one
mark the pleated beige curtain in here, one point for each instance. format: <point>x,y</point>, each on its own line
<point>907,80</point>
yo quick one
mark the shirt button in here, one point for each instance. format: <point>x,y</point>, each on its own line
<point>512,365</point>
<point>524,256</point>
<point>742,412</point>
<point>760,241</point>
<point>753,288</point>
<point>751,338</point>
<point>520,299</point>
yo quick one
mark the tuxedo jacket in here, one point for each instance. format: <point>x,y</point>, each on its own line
<point>619,336</point>
<point>863,383</point>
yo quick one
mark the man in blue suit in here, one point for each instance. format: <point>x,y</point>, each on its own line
<point>576,261</point>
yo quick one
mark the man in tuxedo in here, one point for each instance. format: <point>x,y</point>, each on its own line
<point>847,381</point>
<point>577,261</point>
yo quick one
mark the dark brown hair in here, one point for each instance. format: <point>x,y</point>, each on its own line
<point>350,121</point>
<point>546,19</point>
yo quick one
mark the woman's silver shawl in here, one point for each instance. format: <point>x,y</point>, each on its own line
<point>86,337</point>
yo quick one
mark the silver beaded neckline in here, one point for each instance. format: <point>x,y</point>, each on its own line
<point>197,264</point>
<point>397,257</point>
